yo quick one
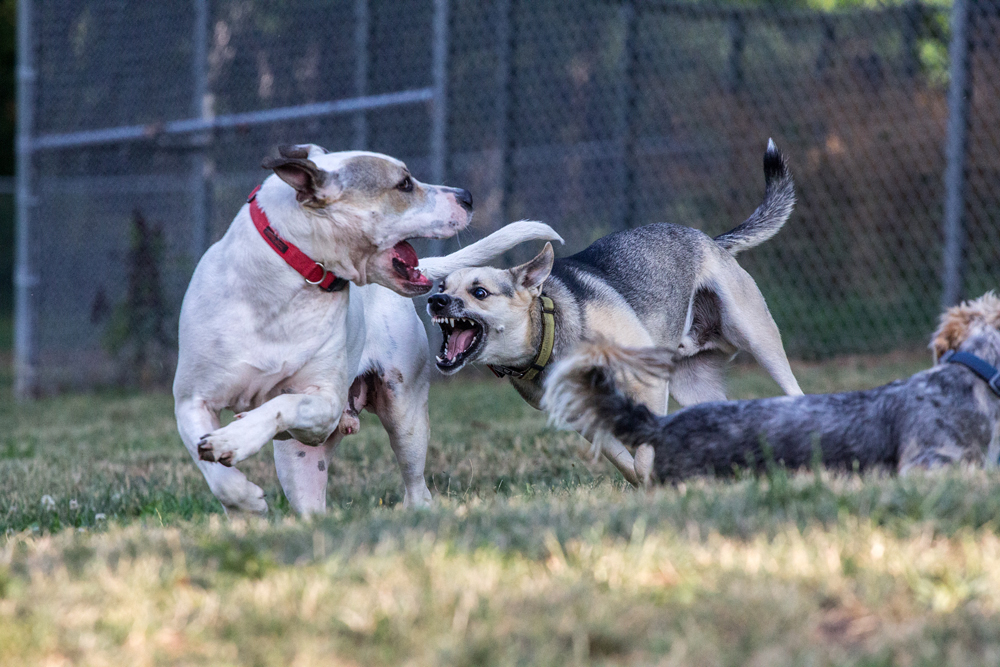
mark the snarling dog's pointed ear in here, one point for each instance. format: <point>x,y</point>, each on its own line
<point>531,275</point>
<point>302,151</point>
<point>313,186</point>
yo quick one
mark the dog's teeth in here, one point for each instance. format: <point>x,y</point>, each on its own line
<point>439,359</point>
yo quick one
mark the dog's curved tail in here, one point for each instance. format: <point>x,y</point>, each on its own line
<point>484,250</point>
<point>582,391</point>
<point>771,215</point>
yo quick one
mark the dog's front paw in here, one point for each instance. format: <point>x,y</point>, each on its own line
<point>231,444</point>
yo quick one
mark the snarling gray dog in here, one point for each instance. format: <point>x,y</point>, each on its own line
<point>947,414</point>
<point>288,322</point>
<point>658,285</point>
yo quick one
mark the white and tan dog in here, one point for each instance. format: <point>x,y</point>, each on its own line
<point>262,340</point>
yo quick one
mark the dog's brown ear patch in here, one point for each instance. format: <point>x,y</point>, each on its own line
<point>300,150</point>
<point>957,322</point>
<point>294,150</point>
<point>303,175</point>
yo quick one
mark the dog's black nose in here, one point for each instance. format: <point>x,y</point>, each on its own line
<point>464,198</point>
<point>438,302</point>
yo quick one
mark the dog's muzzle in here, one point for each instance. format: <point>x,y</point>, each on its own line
<point>461,336</point>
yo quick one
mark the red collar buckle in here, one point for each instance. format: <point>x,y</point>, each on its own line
<point>313,272</point>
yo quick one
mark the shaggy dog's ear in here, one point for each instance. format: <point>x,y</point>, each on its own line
<point>957,323</point>
<point>954,328</point>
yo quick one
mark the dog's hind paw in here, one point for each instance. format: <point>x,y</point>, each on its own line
<point>349,423</point>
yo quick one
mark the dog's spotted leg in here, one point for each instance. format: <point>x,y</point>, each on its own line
<point>303,471</point>
<point>401,405</point>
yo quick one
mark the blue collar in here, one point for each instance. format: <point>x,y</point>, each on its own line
<point>987,372</point>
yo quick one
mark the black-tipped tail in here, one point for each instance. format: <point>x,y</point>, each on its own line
<point>582,392</point>
<point>771,215</point>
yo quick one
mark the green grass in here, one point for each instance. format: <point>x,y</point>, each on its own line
<point>116,553</point>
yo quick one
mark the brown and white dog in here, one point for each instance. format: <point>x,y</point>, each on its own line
<point>947,414</point>
<point>660,285</point>
<point>262,340</point>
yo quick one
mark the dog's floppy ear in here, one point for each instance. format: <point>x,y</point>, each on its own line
<point>313,186</point>
<point>531,275</point>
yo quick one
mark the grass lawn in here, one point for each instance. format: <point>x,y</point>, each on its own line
<point>115,553</point>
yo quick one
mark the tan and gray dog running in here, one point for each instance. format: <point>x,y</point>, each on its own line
<point>658,285</point>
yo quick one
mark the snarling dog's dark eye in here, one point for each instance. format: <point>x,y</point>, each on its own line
<point>405,185</point>
<point>480,293</point>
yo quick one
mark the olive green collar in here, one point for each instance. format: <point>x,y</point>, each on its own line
<point>544,352</point>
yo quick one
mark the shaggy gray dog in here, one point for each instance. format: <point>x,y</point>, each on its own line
<point>946,414</point>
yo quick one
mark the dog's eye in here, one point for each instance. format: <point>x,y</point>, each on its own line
<point>441,287</point>
<point>405,185</point>
<point>480,293</point>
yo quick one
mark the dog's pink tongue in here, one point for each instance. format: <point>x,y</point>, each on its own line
<point>458,342</point>
<point>405,253</point>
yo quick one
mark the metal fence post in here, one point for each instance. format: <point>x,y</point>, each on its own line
<point>956,150</point>
<point>439,107</point>
<point>201,108</point>
<point>626,113</point>
<point>737,42</point>
<point>25,279</point>
<point>362,28</point>
<point>912,17</point>
<point>506,136</point>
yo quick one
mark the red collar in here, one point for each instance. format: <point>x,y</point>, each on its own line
<point>314,272</point>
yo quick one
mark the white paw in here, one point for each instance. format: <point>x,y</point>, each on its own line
<point>239,495</point>
<point>231,444</point>
<point>251,503</point>
<point>420,498</point>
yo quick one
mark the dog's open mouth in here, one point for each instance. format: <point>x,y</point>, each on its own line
<point>404,263</point>
<point>462,338</point>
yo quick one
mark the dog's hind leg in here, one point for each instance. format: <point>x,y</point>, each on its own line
<point>302,472</point>
<point>747,324</point>
<point>699,379</point>
<point>401,405</point>
<point>229,485</point>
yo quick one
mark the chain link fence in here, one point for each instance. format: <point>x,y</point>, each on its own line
<point>142,125</point>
